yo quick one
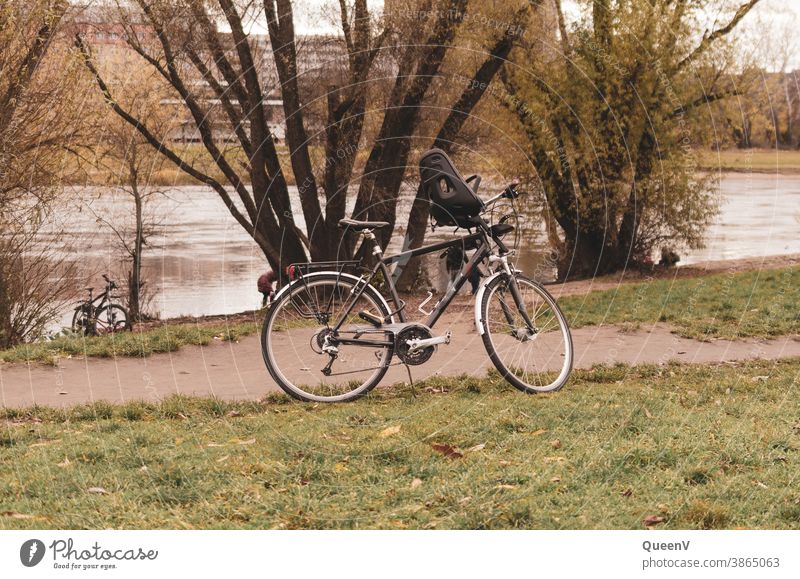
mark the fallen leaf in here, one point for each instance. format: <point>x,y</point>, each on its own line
<point>555,479</point>
<point>45,442</point>
<point>222,459</point>
<point>214,445</point>
<point>504,462</point>
<point>339,467</point>
<point>416,482</point>
<point>63,392</point>
<point>555,443</point>
<point>248,441</point>
<point>647,413</point>
<point>234,414</point>
<point>464,501</point>
<point>760,484</point>
<point>64,464</point>
<point>554,459</point>
<point>15,515</point>
<point>651,520</point>
<point>447,450</point>
<point>627,493</point>
<point>505,487</point>
<point>144,468</point>
<point>538,432</point>
<point>97,491</point>
<point>760,378</point>
<point>476,448</point>
<point>389,431</point>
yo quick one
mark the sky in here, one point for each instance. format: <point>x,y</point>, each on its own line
<point>780,18</point>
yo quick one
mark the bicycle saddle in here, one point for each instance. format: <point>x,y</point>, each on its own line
<point>361,225</point>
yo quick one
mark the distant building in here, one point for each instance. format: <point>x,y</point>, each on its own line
<point>322,61</point>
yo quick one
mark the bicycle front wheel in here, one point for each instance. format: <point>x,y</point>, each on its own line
<point>532,351</point>
<point>111,319</point>
<point>302,349</point>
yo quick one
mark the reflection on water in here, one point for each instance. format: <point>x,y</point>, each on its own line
<point>199,261</point>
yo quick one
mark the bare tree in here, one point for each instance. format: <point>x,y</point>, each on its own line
<point>130,163</point>
<point>36,127</point>
<point>223,80</point>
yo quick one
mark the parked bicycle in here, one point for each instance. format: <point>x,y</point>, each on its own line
<point>100,315</point>
<point>330,336</point>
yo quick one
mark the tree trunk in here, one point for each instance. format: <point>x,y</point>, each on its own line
<point>408,275</point>
<point>589,255</point>
<point>135,277</point>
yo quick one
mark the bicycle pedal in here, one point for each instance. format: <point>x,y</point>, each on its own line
<point>371,318</point>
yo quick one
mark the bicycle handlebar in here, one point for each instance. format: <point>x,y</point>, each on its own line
<point>509,192</point>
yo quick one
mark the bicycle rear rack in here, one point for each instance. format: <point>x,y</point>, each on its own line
<point>298,270</point>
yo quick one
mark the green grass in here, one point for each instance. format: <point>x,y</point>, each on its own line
<point>756,160</point>
<point>167,338</point>
<point>702,447</point>
<point>759,304</point>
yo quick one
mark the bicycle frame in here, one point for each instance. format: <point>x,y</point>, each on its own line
<point>481,238</point>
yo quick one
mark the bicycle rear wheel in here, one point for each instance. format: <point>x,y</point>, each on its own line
<point>535,357</point>
<point>299,328</point>
<point>81,320</point>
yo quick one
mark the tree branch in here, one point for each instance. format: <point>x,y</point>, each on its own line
<point>707,98</point>
<point>708,39</point>
<point>158,144</point>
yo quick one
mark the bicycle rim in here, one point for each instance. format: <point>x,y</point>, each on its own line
<point>533,360</point>
<point>111,319</point>
<point>294,335</point>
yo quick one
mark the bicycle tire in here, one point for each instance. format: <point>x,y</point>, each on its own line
<point>116,320</point>
<point>77,326</point>
<point>506,341</point>
<point>286,342</point>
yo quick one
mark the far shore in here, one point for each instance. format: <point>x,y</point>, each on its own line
<point>761,161</point>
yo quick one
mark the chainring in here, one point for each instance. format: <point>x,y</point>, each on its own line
<point>402,347</point>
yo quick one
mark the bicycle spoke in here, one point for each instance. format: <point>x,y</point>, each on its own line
<point>307,358</point>
<point>535,359</point>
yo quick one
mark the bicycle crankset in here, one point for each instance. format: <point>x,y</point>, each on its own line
<point>415,344</point>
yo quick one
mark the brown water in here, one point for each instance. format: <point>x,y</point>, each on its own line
<point>200,261</point>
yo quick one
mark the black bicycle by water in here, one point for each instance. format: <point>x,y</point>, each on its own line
<point>330,336</point>
<point>99,315</point>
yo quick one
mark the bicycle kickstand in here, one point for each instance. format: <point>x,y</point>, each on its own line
<point>411,381</point>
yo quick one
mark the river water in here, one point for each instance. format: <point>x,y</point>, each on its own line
<point>199,261</point>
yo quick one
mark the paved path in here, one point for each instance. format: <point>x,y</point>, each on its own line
<point>236,370</point>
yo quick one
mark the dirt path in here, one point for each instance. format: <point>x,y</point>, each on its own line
<point>236,370</point>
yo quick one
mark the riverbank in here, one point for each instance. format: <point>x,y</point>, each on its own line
<point>736,299</point>
<point>773,161</point>
<point>727,160</point>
